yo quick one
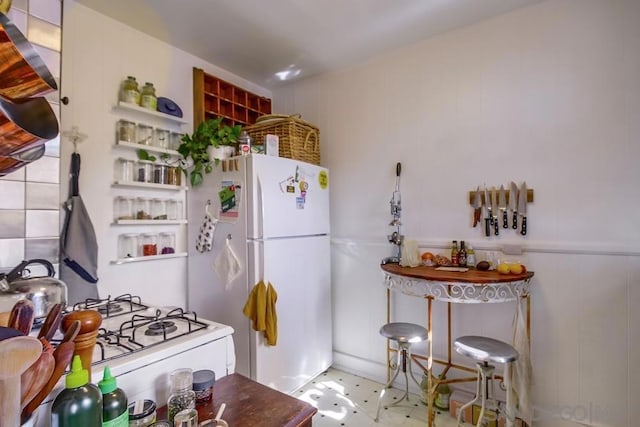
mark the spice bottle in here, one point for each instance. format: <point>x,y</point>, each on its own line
<point>130,91</point>
<point>471,257</point>
<point>462,255</point>
<point>115,412</point>
<point>80,403</point>
<point>182,395</point>
<point>454,252</point>
<point>203,381</point>
<point>148,97</point>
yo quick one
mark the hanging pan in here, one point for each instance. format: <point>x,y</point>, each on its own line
<point>23,74</point>
<point>25,124</point>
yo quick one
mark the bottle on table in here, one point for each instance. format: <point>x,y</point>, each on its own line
<point>462,255</point>
<point>454,252</point>
<point>471,257</point>
<point>80,403</point>
<point>182,395</point>
<point>115,412</point>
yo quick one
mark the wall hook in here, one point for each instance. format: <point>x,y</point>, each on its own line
<point>75,136</point>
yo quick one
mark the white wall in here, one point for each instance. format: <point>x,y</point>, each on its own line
<point>549,94</point>
<point>98,53</point>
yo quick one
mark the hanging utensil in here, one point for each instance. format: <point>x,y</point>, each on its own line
<point>477,206</point>
<point>513,204</point>
<point>25,125</point>
<point>522,208</point>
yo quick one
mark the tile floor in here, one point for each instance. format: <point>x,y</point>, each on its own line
<point>345,399</point>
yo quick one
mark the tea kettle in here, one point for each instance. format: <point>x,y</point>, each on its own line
<point>43,292</point>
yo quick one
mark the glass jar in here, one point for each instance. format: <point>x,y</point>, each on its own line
<point>161,138</point>
<point>186,418</point>
<point>144,134</point>
<point>160,174</point>
<point>173,175</point>
<point>142,413</point>
<point>175,139</point>
<point>130,91</point>
<point>203,381</point>
<point>159,209</point>
<point>124,170</point>
<point>123,208</point>
<point>167,243</point>
<point>182,396</point>
<point>128,245</point>
<point>142,172</point>
<point>126,131</point>
<point>149,244</point>
<point>172,209</point>
<point>143,208</point>
<point>148,97</point>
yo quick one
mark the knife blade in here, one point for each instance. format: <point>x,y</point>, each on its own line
<point>522,208</point>
<point>477,206</point>
<point>513,204</point>
<point>502,205</point>
<point>488,219</point>
<point>494,210</point>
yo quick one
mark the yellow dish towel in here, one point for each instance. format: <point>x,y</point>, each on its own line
<point>261,309</point>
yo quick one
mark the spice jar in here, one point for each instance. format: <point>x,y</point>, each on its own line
<point>142,413</point>
<point>149,245</point>
<point>124,170</point>
<point>175,139</point>
<point>172,209</point>
<point>167,243</point>
<point>203,381</point>
<point>160,174</point>
<point>128,245</point>
<point>143,208</point>
<point>123,208</point>
<point>129,91</point>
<point>159,209</point>
<point>143,171</point>
<point>186,418</point>
<point>148,97</point>
<point>173,175</point>
<point>182,396</point>
<point>144,134</point>
<point>161,138</point>
<point>126,131</point>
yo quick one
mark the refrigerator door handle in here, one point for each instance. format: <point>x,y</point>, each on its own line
<point>260,219</point>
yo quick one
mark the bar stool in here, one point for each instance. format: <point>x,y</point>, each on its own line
<point>404,334</point>
<point>485,350</point>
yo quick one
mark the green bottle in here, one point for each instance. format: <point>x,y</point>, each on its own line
<point>80,403</point>
<point>115,412</point>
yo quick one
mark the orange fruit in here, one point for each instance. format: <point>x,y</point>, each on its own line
<point>427,256</point>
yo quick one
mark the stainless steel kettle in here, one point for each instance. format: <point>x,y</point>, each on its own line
<point>44,291</point>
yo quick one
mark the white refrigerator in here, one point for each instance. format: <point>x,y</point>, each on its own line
<point>274,215</point>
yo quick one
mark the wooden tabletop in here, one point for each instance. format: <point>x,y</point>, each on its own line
<point>471,276</point>
<point>249,403</point>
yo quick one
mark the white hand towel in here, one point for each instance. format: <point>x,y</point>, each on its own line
<point>227,265</point>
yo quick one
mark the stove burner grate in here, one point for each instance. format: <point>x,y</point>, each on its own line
<point>162,327</point>
<point>109,307</point>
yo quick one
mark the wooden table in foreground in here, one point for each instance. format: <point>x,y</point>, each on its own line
<point>249,403</point>
<point>472,286</point>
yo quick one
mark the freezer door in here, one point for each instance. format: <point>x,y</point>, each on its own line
<point>299,270</point>
<point>286,198</point>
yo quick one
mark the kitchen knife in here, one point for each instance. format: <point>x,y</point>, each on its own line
<point>502,205</point>
<point>494,210</point>
<point>522,208</point>
<point>513,204</point>
<point>477,206</point>
<point>487,213</point>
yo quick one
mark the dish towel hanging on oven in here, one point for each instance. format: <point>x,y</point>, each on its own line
<point>227,264</point>
<point>204,243</point>
<point>261,309</point>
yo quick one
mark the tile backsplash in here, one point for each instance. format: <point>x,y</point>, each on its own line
<point>30,202</point>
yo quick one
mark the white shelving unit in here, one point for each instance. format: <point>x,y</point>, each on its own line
<point>148,258</point>
<point>126,108</point>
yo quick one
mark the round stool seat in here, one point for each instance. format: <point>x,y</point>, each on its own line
<point>485,349</point>
<point>404,332</point>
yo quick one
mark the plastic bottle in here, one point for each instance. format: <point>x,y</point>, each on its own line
<point>115,411</point>
<point>130,91</point>
<point>471,257</point>
<point>148,97</point>
<point>182,395</point>
<point>80,403</point>
<point>462,255</point>
<point>454,252</point>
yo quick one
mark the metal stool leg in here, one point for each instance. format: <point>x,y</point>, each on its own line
<point>393,378</point>
<point>486,373</point>
<point>404,358</point>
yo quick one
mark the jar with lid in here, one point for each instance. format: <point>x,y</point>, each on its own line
<point>167,243</point>
<point>143,170</point>
<point>124,170</point>
<point>123,208</point>
<point>148,97</point>
<point>142,413</point>
<point>126,131</point>
<point>130,92</point>
<point>144,134</point>
<point>128,245</point>
<point>149,244</point>
<point>161,138</point>
<point>159,209</point>
<point>173,175</point>
<point>143,208</point>
<point>160,174</point>
<point>182,395</point>
<point>175,139</point>
<point>203,381</point>
<point>172,209</point>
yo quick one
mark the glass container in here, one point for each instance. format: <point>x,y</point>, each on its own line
<point>124,170</point>
<point>160,174</point>
<point>173,175</point>
<point>143,169</point>
<point>172,209</point>
<point>130,92</point>
<point>148,97</point>
<point>203,381</point>
<point>126,131</point>
<point>167,242</point>
<point>143,208</point>
<point>175,139</point>
<point>161,138</point>
<point>149,244</point>
<point>142,413</point>
<point>123,208</point>
<point>182,396</point>
<point>186,418</point>
<point>159,209</point>
<point>144,134</point>
<point>128,245</point>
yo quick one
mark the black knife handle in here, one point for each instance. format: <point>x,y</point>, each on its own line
<point>505,220</point>
<point>487,226</point>
<point>515,221</point>
<point>491,218</point>
<point>523,229</point>
<point>496,227</point>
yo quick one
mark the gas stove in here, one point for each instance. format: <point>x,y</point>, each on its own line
<point>141,345</point>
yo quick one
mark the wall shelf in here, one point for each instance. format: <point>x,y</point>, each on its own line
<point>148,258</point>
<point>149,221</point>
<point>149,148</point>
<point>148,186</point>
<point>127,107</point>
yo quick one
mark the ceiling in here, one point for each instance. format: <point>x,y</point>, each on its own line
<point>272,42</point>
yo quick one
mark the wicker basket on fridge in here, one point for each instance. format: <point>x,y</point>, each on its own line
<point>298,139</point>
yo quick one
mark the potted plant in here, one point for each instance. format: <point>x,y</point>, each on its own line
<point>195,148</point>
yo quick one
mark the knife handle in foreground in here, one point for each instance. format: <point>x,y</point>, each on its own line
<point>496,226</point>
<point>487,226</point>
<point>515,221</point>
<point>523,229</point>
<point>505,220</point>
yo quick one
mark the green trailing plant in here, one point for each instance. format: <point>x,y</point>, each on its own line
<point>194,148</point>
